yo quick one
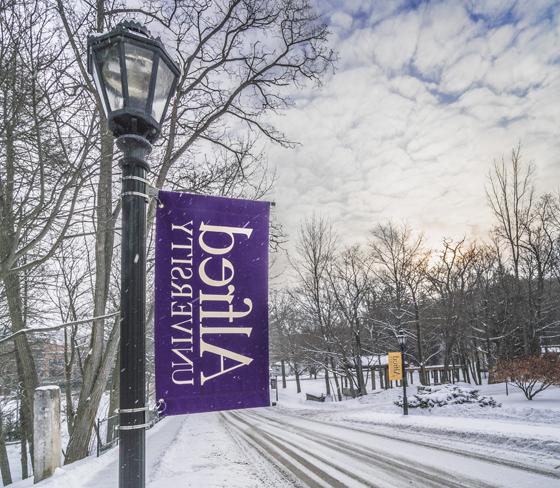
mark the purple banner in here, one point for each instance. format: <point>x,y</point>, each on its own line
<point>211,303</point>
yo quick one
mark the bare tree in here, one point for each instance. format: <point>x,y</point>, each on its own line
<point>315,254</point>
<point>286,328</point>
<point>451,279</point>
<point>349,280</point>
<point>398,257</point>
<point>41,171</point>
<point>510,195</point>
<point>538,243</point>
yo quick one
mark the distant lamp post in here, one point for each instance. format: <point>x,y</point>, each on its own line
<point>135,79</point>
<point>401,337</point>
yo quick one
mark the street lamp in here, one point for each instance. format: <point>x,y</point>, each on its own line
<point>401,337</point>
<point>135,79</point>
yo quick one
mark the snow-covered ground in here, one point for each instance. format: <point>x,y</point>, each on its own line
<point>190,451</point>
<point>361,442</point>
<point>524,431</point>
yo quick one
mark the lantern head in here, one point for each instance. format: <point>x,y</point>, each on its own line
<point>134,77</point>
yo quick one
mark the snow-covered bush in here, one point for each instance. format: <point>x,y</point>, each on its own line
<point>440,395</point>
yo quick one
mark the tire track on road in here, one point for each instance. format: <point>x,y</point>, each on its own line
<point>469,454</point>
<point>284,457</point>
<point>404,471</point>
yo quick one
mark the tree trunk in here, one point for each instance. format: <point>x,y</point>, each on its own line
<point>478,372</point>
<point>23,458</point>
<point>517,312</point>
<point>114,400</point>
<point>466,376</point>
<point>283,374</point>
<point>298,385</point>
<point>4,461</point>
<point>359,369</point>
<point>27,373</point>
<point>472,370</point>
<point>350,381</point>
<point>327,382</point>
<point>94,377</point>
<point>25,363</point>
<point>336,382</point>
<point>87,410</point>
<point>535,346</point>
<point>453,369</point>
<point>68,382</point>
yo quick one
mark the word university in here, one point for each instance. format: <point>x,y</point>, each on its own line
<point>211,303</point>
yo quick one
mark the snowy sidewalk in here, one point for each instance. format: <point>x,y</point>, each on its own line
<point>189,451</point>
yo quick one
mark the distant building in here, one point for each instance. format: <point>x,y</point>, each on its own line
<point>49,361</point>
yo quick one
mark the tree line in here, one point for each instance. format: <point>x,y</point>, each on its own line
<point>467,303</point>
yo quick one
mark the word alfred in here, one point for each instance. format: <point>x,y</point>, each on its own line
<point>215,302</point>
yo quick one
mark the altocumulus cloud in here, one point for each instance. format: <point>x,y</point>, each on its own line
<point>425,96</point>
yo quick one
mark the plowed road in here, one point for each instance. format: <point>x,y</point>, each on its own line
<point>317,454</point>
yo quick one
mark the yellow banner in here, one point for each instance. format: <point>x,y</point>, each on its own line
<point>395,366</point>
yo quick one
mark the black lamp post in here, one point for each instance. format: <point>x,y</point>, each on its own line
<point>135,79</point>
<point>401,337</point>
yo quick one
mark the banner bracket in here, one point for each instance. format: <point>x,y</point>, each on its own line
<point>135,194</point>
<point>132,410</point>
<point>135,427</point>
<point>151,191</point>
<point>160,403</point>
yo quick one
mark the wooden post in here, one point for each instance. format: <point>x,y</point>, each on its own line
<point>47,447</point>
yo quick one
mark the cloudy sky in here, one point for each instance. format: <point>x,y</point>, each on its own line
<point>425,96</point>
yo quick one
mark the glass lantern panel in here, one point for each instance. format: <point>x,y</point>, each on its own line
<point>109,64</point>
<point>164,81</point>
<point>99,88</point>
<point>139,72</point>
